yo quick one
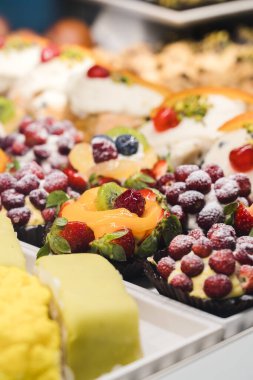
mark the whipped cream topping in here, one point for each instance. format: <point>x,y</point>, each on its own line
<point>191,138</point>
<point>97,95</point>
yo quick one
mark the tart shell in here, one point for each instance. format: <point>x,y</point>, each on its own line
<point>33,235</point>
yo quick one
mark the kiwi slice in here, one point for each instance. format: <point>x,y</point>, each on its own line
<point>7,110</point>
<point>107,194</point>
<point>117,131</point>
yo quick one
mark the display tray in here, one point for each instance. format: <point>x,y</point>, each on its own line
<point>178,18</point>
<point>168,334</point>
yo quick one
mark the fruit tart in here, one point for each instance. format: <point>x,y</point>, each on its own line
<point>42,91</point>
<point>102,98</point>
<point>123,225</point>
<point>119,154</point>
<point>212,272</point>
<point>233,151</point>
<point>19,54</point>
<point>186,125</point>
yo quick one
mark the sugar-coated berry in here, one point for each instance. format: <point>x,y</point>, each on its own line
<point>246,278</point>
<point>27,183</point>
<point>202,247</point>
<point>12,199</point>
<point>164,182</point>
<point>183,282</point>
<point>191,201</point>
<point>217,286</point>
<point>246,243</point>
<point>192,265</point>
<point>19,216</point>
<point>243,182</point>
<point>132,200</point>
<point>38,198</point>
<point>103,149</point>
<point>200,181</point>
<point>7,181</point>
<point>222,239</point>
<point>226,190</point>
<point>49,214</point>
<point>165,266</point>
<point>242,256</point>
<point>172,192</point>
<point>56,180</point>
<point>30,168</point>
<point>221,226</point>
<point>222,261</point>
<point>183,171</point>
<point>197,233</point>
<point>127,145</point>
<point>180,246</point>
<point>210,214</point>
<point>179,213</point>
<point>34,135</point>
<point>215,172</point>
<point>41,152</point>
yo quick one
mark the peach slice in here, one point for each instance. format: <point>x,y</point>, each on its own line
<point>237,122</point>
<point>4,160</point>
<point>81,158</point>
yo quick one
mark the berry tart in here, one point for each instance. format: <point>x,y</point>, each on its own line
<point>186,125</point>
<point>101,98</point>
<point>123,225</point>
<point>233,151</point>
<point>212,272</point>
<point>120,153</point>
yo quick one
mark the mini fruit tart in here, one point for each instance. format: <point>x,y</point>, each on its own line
<point>19,54</point>
<point>102,98</point>
<point>123,225</point>
<point>118,154</point>
<point>186,124</point>
<point>212,275</point>
<point>233,151</point>
<point>43,91</point>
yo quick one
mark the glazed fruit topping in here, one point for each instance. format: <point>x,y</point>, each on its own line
<point>49,53</point>
<point>202,247</point>
<point>183,282</point>
<point>38,198</point>
<point>172,192</point>
<point>97,71</point>
<point>217,286</point>
<point>222,261</point>
<point>226,190</point>
<point>56,180</point>
<point>132,200</point>
<point>192,265</point>
<point>246,243</point>
<point>12,199</point>
<point>180,246</point>
<point>127,242</point>
<point>127,145</point>
<point>19,216</point>
<point>200,181</point>
<point>165,266</point>
<point>78,235</point>
<point>191,201</point>
<point>165,118</point>
<point>27,183</point>
<point>215,172</point>
<point>103,149</point>
<point>183,171</point>
<point>241,158</point>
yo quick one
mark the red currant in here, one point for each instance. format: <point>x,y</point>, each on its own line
<point>165,118</point>
<point>241,158</point>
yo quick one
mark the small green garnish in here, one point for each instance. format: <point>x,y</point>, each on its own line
<point>105,247</point>
<point>7,110</point>
<point>229,212</point>
<point>139,181</point>
<point>14,165</point>
<point>17,43</point>
<point>56,199</point>
<point>121,78</point>
<point>195,106</point>
<point>248,127</point>
<point>72,54</point>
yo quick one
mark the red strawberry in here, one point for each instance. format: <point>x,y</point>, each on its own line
<point>148,194</point>
<point>243,221</point>
<point>76,180</point>
<point>78,235</point>
<point>246,277</point>
<point>49,53</point>
<point>2,41</point>
<point>160,168</point>
<point>165,118</point>
<point>127,242</point>
<point>97,71</point>
<point>148,172</point>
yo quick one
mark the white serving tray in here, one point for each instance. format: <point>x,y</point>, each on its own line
<point>168,334</point>
<point>178,18</point>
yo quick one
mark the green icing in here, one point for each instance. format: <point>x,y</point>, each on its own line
<point>7,110</point>
<point>194,106</point>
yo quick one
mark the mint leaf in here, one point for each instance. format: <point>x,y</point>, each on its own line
<point>112,251</point>
<point>170,228</point>
<point>58,244</point>
<point>251,232</point>
<point>14,165</point>
<point>56,198</point>
<point>149,246</point>
<point>43,251</point>
<point>229,212</point>
<point>139,181</point>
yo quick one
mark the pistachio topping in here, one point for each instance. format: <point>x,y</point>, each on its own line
<point>194,106</point>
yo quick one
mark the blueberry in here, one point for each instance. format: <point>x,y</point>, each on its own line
<point>127,145</point>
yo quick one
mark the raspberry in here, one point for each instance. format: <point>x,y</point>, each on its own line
<point>191,201</point>
<point>7,181</point>
<point>217,286</point>
<point>246,278</point>
<point>18,149</point>
<point>103,149</point>
<point>49,214</point>
<point>202,247</point>
<point>34,135</point>
<point>127,242</point>
<point>197,233</point>
<point>179,213</point>
<point>76,180</point>
<point>30,168</point>
<point>226,190</point>
<point>244,184</point>
<point>38,198</point>
<point>132,200</point>
<point>27,120</point>
<point>199,181</point>
<point>72,194</point>
<point>12,199</point>
<point>172,193</point>
<point>183,282</point>
<point>19,216</point>
<point>214,171</point>
<point>243,220</point>
<point>222,261</point>
<point>56,180</point>
<point>97,71</point>
<point>165,266</point>
<point>192,265</point>
<point>180,246</point>
<point>78,235</point>
<point>222,239</point>
<point>221,226</point>
<point>41,152</point>
<point>183,171</point>
<point>27,183</point>
<point>210,214</point>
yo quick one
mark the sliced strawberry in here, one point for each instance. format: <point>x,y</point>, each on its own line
<point>127,242</point>
<point>165,118</point>
<point>148,172</point>
<point>49,53</point>
<point>160,168</point>
<point>148,194</point>
<point>243,220</point>
<point>78,235</point>
<point>76,180</point>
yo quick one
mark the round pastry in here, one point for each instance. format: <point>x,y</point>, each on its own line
<point>198,271</point>
<point>233,151</point>
<point>186,125</point>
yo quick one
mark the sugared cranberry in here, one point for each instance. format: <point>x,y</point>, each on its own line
<point>191,201</point>
<point>24,123</point>
<point>199,181</point>
<point>34,135</point>
<point>215,172</point>
<point>165,266</point>
<point>242,256</point>
<point>183,282</point>
<point>8,141</point>
<point>19,216</point>
<point>72,193</point>
<point>179,213</point>
<point>97,71</point>
<point>30,168</point>
<point>192,265</point>
<point>165,181</point>
<point>58,161</point>
<point>132,200</point>
<point>56,180</point>
<point>183,171</point>
<point>103,149</point>
<point>76,180</point>
<point>246,243</point>
<point>202,247</point>
<point>217,286</point>
<point>210,214</point>
<point>27,183</point>
<point>222,237</point>
<point>180,246</point>
<point>165,118</point>
<point>41,152</point>
<point>172,193</point>
<point>49,214</point>
<point>65,145</point>
<point>7,181</point>
<point>197,233</point>
<point>244,184</point>
<point>58,128</point>
<point>12,199</point>
<point>49,53</point>
<point>241,158</point>
<point>38,198</point>
<point>226,190</point>
<point>246,278</point>
<point>222,261</point>
<point>221,226</point>
<point>18,148</point>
